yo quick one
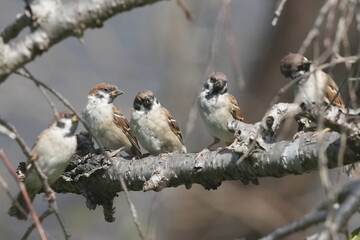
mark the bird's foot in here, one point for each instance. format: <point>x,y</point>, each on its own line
<point>199,154</point>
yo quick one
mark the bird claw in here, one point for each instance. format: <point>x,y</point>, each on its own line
<point>297,135</point>
<point>317,133</point>
<point>114,153</point>
<point>199,154</point>
<point>165,154</point>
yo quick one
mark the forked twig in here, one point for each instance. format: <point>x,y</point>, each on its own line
<point>25,194</point>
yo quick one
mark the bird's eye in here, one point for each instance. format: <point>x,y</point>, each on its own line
<point>106,89</point>
<point>157,101</point>
<point>304,67</point>
<point>67,115</point>
<point>212,80</point>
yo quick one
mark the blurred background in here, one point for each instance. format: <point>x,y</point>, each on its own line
<point>155,47</point>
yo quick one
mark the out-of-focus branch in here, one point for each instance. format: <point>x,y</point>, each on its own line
<point>347,204</point>
<point>25,194</point>
<point>54,21</point>
<point>186,9</point>
<point>315,29</point>
<point>278,12</point>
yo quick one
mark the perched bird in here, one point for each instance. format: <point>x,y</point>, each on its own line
<point>107,122</point>
<point>316,88</point>
<point>52,152</point>
<point>217,107</point>
<point>157,131</point>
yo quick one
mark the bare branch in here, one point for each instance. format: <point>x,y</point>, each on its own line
<point>52,27</point>
<point>346,205</point>
<point>25,194</point>
<point>315,29</point>
<point>186,9</point>
<point>51,210</point>
<point>99,180</point>
<point>232,46</point>
<point>17,137</point>
<point>278,12</point>
<point>48,99</point>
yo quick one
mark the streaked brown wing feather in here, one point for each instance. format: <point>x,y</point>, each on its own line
<point>174,126</point>
<point>331,91</point>
<point>235,109</point>
<point>121,122</point>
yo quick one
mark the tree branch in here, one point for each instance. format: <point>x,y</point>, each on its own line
<point>98,179</point>
<point>346,205</point>
<point>54,21</point>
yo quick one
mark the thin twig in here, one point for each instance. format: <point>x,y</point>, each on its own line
<point>315,29</point>
<point>48,99</point>
<point>132,208</point>
<point>213,52</point>
<point>51,210</point>
<point>186,9</point>
<point>233,47</point>
<point>25,194</point>
<point>308,220</point>
<point>278,12</point>
<point>25,149</point>
<point>152,208</point>
<point>13,199</point>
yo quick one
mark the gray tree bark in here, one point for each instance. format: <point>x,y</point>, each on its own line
<point>254,154</point>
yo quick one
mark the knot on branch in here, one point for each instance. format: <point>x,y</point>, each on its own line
<point>157,182</point>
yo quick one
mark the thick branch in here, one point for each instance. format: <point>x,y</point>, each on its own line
<point>54,21</point>
<point>99,180</point>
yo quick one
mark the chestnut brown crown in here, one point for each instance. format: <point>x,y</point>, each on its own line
<point>293,65</point>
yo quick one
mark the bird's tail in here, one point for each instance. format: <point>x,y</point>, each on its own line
<point>23,212</point>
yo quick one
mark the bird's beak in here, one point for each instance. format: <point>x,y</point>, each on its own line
<point>74,118</point>
<point>116,92</point>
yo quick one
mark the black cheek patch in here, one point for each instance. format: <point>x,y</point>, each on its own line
<point>137,106</point>
<point>60,124</point>
<point>98,95</point>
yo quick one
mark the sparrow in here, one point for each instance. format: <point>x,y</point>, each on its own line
<point>217,107</point>
<point>153,125</point>
<point>52,151</point>
<point>107,122</point>
<point>316,88</point>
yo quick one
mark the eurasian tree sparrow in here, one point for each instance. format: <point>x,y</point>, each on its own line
<point>317,88</point>
<point>217,107</point>
<point>157,131</point>
<point>52,151</point>
<point>107,122</point>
